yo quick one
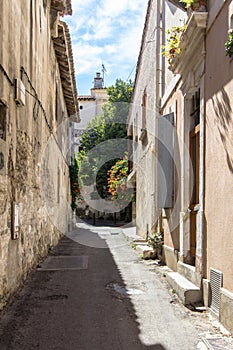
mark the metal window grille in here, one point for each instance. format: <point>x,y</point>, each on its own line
<point>215,285</point>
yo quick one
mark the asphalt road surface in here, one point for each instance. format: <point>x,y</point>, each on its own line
<point>95,293</point>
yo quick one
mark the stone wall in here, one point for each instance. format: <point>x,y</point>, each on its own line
<point>30,141</point>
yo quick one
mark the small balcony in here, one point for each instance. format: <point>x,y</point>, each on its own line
<point>191,46</point>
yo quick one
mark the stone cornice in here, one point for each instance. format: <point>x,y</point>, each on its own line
<point>85,98</point>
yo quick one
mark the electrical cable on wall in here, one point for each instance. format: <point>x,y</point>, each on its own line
<point>38,102</point>
<point>6,75</point>
<point>23,72</point>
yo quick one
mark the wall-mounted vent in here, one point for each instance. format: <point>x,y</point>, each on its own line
<point>215,286</point>
<point>19,92</point>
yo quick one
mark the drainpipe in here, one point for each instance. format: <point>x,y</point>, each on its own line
<point>200,240</point>
<point>158,84</point>
<point>159,26</point>
<point>200,253</point>
<point>182,182</point>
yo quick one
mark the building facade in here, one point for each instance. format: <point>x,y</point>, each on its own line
<point>191,176</point>
<point>90,106</point>
<point>37,97</point>
<point>218,190</point>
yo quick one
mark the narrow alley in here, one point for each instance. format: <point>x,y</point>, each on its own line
<point>94,292</point>
<point>118,113</point>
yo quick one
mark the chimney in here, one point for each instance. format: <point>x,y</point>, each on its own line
<point>98,81</point>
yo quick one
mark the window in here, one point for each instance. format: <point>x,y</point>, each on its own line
<point>58,184</point>
<point>136,128</point>
<point>195,109</point>
<point>144,110</point>
<point>195,145</point>
<point>3,122</point>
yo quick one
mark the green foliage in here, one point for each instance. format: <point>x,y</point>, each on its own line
<point>172,48</point>
<point>195,4</point>
<point>134,245</point>
<point>111,124</point>
<point>188,3</point>
<point>156,241</point>
<point>229,45</point>
<point>74,182</point>
<point>120,92</point>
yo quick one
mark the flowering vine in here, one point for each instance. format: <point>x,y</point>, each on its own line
<point>172,47</point>
<point>117,181</point>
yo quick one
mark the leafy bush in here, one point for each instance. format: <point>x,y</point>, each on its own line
<point>229,45</point>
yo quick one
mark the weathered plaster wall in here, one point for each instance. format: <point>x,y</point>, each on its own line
<point>219,151</point>
<point>25,41</point>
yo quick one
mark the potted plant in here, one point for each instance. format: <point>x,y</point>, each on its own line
<point>172,48</point>
<point>195,5</point>
<point>156,242</point>
<point>229,44</point>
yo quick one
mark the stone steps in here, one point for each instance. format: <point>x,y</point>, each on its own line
<point>188,292</point>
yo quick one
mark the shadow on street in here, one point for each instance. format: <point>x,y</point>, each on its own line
<point>69,304</point>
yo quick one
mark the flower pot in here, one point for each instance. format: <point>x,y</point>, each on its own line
<point>199,6</point>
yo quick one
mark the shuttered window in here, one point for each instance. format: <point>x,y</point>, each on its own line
<point>166,161</point>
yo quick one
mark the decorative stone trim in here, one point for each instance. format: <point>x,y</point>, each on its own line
<point>86,98</point>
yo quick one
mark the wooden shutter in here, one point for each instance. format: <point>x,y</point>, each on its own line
<point>166,161</point>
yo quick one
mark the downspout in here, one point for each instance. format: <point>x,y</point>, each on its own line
<point>182,182</point>
<point>200,251</point>
<point>159,26</point>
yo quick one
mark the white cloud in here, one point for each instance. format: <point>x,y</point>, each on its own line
<point>106,32</point>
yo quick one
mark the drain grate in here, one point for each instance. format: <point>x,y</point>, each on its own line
<point>63,262</point>
<point>215,286</point>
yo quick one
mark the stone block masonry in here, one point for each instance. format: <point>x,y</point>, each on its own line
<point>31,114</point>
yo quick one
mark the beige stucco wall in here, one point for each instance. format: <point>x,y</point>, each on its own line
<point>153,79</point>
<point>172,102</point>
<point>25,41</point>
<point>91,107</point>
<point>144,150</point>
<point>219,151</point>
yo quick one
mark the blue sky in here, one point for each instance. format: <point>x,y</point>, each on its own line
<point>105,32</point>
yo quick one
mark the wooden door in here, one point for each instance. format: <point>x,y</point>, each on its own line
<point>195,158</point>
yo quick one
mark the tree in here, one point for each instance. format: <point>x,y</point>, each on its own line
<point>110,125</point>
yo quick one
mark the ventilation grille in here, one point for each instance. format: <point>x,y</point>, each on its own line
<point>215,285</point>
